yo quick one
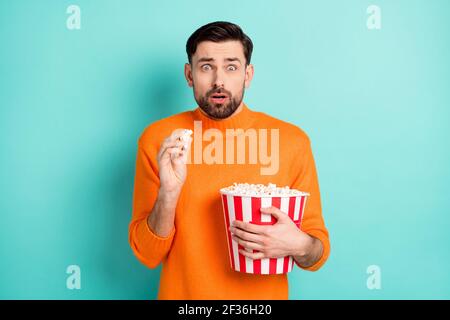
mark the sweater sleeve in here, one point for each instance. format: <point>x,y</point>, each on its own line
<point>147,246</point>
<point>312,221</point>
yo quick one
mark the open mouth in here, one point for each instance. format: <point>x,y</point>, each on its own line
<point>218,97</point>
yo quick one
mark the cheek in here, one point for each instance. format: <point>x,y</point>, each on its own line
<point>201,83</point>
<point>202,78</point>
<point>200,90</point>
<point>236,83</point>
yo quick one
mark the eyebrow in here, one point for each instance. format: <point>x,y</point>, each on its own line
<point>233,59</point>
<point>205,59</point>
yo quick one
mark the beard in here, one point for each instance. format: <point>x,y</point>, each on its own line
<point>219,110</point>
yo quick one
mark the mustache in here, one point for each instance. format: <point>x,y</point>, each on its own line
<point>218,91</point>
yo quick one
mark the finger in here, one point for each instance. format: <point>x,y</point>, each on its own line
<point>252,255</point>
<point>246,235</point>
<point>277,213</point>
<point>169,141</point>
<point>186,143</point>
<point>171,153</point>
<point>180,134</point>
<point>247,244</point>
<point>250,227</point>
<point>180,158</point>
<point>163,146</point>
<point>169,144</point>
<point>176,134</point>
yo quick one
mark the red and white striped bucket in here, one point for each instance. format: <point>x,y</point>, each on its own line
<point>247,209</point>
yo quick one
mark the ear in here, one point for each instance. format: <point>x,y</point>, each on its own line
<point>249,71</point>
<point>188,74</point>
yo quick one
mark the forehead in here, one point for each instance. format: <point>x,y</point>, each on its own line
<point>219,50</point>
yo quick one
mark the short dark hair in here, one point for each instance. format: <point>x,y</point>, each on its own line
<point>217,32</point>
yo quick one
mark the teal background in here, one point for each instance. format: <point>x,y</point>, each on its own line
<point>375,104</point>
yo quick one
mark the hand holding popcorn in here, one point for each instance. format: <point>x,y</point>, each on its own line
<point>172,159</point>
<point>279,240</point>
<point>263,228</point>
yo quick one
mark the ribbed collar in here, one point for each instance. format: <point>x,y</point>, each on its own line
<point>241,120</point>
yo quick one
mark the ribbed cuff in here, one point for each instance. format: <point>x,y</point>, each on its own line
<point>156,245</point>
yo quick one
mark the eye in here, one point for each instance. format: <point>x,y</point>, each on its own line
<point>231,68</point>
<point>206,67</point>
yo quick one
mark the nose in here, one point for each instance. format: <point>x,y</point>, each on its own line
<point>218,79</point>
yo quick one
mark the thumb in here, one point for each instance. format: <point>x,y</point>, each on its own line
<point>277,213</point>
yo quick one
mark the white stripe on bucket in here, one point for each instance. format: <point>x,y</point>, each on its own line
<point>230,201</point>
<point>297,208</point>
<point>284,205</point>
<point>266,202</point>
<point>247,217</point>
<point>265,266</point>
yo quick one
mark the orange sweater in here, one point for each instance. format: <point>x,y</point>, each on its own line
<point>195,262</point>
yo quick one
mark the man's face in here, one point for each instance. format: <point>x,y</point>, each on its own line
<point>219,76</point>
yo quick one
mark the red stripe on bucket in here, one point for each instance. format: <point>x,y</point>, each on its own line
<point>227,224</point>
<point>276,202</point>
<point>256,219</point>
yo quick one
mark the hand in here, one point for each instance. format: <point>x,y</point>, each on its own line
<point>282,239</point>
<point>172,159</point>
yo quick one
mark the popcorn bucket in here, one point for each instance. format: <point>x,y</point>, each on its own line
<point>247,208</point>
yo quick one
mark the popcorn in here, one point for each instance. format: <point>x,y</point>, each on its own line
<point>243,202</point>
<point>271,189</point>
<point>185,135</point>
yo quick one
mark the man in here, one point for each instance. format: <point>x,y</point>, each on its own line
<point>177,211</point>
